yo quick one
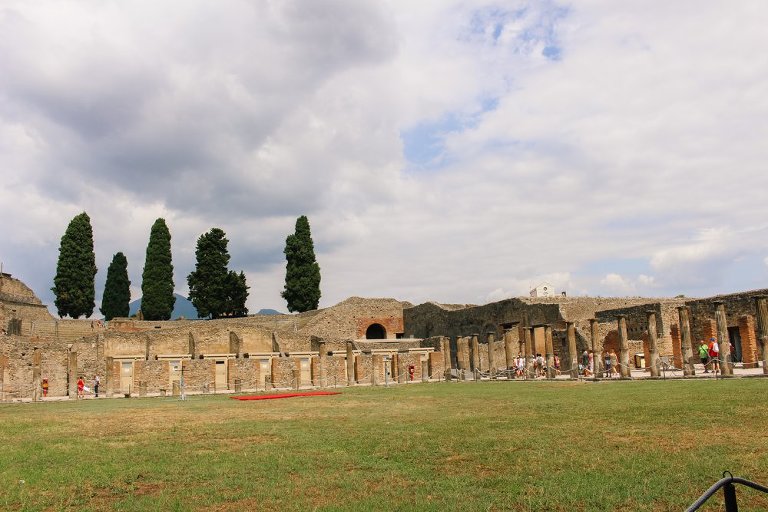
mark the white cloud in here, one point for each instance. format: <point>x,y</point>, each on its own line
<point>649,127</point>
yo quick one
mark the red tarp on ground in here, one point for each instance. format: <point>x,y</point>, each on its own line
<point>285,395</point>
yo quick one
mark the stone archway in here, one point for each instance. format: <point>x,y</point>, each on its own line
<point>376,332</point>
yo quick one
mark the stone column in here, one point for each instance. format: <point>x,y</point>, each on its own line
<point>376,364</point>
<point>191,345</point>
<point>37,359</point>
<point>548,345</point>
<point>400,370</point>
<point>686,340</point>
<point>570,332</point>
<point>475,354</point>
<point>322,363</point>
<point>234,344</point>
<point>597,347</point>
<point>761,305</point>
<point>677,352</point>
<point>3,364</point>
<point>108,380</point>
<point>491,362</point>
<point>749,356</point>
<point>350,364</point>
<point>72,374</point>
<point>424,370</point>
<point>723,340</point>
<point>509,351</point>
<point>146,347</point>
<point>653,349</point>
<point>445,346</point>
<point>528,340</point>
<point>624,348</point>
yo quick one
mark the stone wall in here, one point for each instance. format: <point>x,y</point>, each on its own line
<point>736,306</point>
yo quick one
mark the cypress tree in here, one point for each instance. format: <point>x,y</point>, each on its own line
<point>157,279</point>
<point>117,291</point>
<point>237,294</point>
<point>302,273</point>
<point>213,289</point>
<point>73,285</point>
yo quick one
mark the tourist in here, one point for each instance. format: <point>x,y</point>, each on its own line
<point>614,363</point>
<point>608,364</point>
<point>591,364</point>
<point>539,365</point>
<point>96,382</point>
<point>557,365</point>
<point>714,354</point>
<point>585,359</point>
<point>80,388</point>
<point>704,355</point>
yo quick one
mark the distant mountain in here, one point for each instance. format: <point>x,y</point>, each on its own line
<point>182,307</point>
<point>268,312</point>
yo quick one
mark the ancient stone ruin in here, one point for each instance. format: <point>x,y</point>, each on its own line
<point>366,342</point>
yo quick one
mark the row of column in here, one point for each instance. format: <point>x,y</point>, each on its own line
<point>542,335</point>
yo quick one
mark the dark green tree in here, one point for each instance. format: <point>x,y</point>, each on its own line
<point>237,294</point>
<point>302,273</point>
<point>213,289</point>
<point>157,279</point>
<point>73,285</point>
<point>117,291</point>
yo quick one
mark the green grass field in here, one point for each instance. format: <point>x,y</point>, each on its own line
<point>448,446</point>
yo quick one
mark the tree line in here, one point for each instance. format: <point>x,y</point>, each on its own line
<point>214,290</point>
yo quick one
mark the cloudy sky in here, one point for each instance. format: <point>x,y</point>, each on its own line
<point>457,151</point>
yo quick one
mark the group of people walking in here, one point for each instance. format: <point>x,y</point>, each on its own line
<point>586,365</point>
<point>709,353</point>
<point>81,387</point>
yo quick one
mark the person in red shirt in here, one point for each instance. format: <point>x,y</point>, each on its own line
<point>714,354</point>
<point>80,388</point>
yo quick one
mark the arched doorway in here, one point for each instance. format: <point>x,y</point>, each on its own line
<point>376,332</point>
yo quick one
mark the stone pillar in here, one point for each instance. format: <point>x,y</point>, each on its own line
<point>624,348</point>
<point>677,353</point>
<point>597,347</point>
<point>761,305</point>
<point>425,370</point>
<point>550,350</point>
<point>686,340</point>
<point>72,375</point>
<point>400,370</point>
<point>350,364</point>
<point>108,378</point>
<point>749,355</point>
<point>37,359</point>
<point>570,333</point>
<point>723,340</point>
<point>491,361</point>
<point>3,364</point>
<point>509,352</point>
<point>445,346</point>
<point>528,340</point>
<point>322,364</point>
<point>146,347</point>
<point>376,365</point>
<point>475,354</point>
<point>653,349</point>
<point>191,345</point>
<point>234,344</point>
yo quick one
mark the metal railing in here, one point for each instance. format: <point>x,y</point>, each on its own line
<point>729,492</point>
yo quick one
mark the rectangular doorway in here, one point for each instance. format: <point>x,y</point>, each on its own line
<point>306,371</point>
<point>221,374</point>
<point>265,369</point>
<point>174,372</point>
<point>126,376</point>
<point>735,338</point>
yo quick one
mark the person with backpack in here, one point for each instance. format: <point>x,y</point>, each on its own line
<point>714,354</point>
<point>704,355</point>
